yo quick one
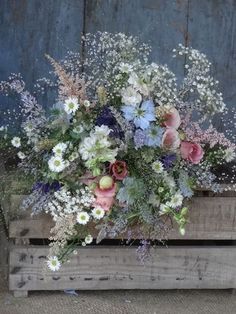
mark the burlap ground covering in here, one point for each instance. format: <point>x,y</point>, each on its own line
<point>120,302</point>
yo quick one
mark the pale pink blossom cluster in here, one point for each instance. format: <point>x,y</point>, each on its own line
<point>194,133</point>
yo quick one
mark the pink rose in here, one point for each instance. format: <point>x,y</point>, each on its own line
<point>105,197</point>
<point>170,139</point>
<point>172,119</point>
<point>119,169</point>
<point>191,152</point>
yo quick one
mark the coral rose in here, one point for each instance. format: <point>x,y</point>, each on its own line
<point>105,197</point>
<point>170,139</point>
<point>118,169</point>
<point>191,152</point>
<point>172,119</point>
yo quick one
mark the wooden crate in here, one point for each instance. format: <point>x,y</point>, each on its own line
<point>184,265</point>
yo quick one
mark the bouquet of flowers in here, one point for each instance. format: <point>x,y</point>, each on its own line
<point>124,145</point>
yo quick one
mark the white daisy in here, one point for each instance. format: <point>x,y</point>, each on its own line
<point>88,239</point>
<point>73,156</point>
<point>21,155</point>
<point>71,105</point>
<point>157,166</point>
<point>16,142</point>
<point>28,127</point>
<point>78,129</point>
<point>230,154</point>
<point>176,200</point>
<point>83,218</point>
<point>59,149</point>
<point>56,164</point>
<point>53,263</point>
<point>87,103</point>
<point>98,212</point>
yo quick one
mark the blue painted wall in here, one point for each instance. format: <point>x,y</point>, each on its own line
<point>31,28</point>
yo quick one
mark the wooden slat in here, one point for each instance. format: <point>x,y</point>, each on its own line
<point>209,218</point>
<point>29,30</point>
<point>162,24</point>
<point>212,29</point>
<point>118,268</point>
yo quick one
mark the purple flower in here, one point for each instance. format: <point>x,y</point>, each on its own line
<point>106,118</point>
<point>143,251</point>
<point>168,160</point>
<point>45,188</point>
<point>139,138</point>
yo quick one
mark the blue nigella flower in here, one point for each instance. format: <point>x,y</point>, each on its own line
<point>140,115</point>
<point>184,184</point>
<point>106,118</point>
<point>154,136</point>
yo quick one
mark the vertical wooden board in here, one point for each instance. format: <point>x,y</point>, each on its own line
<point>212,29</point>
<point>163,24</point>
<point>31,28</point>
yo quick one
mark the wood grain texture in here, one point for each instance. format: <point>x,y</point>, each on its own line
<point>212,29</point>
<point>118,268</point>
<point>31,29</point>
<point>210,218</point>
<point>162,24</point>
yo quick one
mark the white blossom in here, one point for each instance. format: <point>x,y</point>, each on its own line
<point>157,166</point>
<point>230,154</point>
<point>88,239</point>
<point>98,212</point>
<point>21,155</point>
<point>83,218</point>
<point>71,105</point>
<point>53,263</point>
<point>56,164</point>
<point>176,200</point>
<point>59,149</point>
<point>130,96</point>
<point>16,141</point>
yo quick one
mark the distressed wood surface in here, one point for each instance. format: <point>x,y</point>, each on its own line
<point>29,29</point>
<point>118,268</point>
<point>163,24</point>
<point>209,218</point>
<point>212,29</point>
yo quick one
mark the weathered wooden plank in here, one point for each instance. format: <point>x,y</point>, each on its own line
<point>209,218</point>
<point>118,268</point>
<point>163,24</point>
<point>20,294</point>
<point>212,29</point>
<point>29,30</point>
